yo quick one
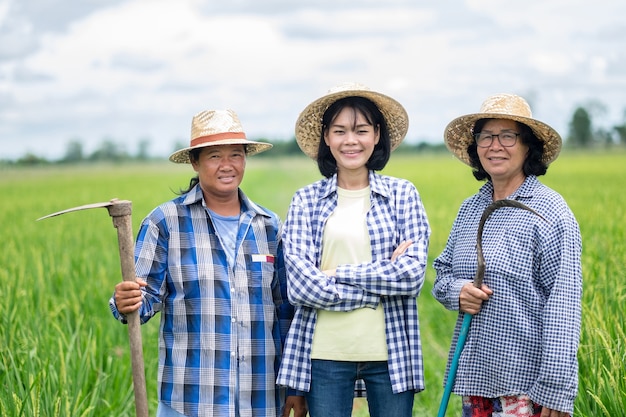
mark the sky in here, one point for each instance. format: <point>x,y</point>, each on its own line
<point>138,70</point>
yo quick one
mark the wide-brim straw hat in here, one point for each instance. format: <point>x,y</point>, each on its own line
<point>217,127</point>
<point>459,133</point>
<point>309,123</point>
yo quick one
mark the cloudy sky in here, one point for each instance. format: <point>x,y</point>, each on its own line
<point>132,70</point>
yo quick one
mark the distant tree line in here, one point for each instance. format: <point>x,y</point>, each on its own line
<point>581,134</point>
<point>108,151</point>
<point>114,152</point>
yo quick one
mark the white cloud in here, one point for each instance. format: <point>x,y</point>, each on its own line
<point>142,68</point>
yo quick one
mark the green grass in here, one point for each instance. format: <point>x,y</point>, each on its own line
<point>62,354</point>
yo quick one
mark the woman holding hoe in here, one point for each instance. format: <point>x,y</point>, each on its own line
<point>210,262</point>
<point>519,357</point>
<point>356,245</point>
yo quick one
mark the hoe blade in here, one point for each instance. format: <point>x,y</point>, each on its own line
<point>85,207</point>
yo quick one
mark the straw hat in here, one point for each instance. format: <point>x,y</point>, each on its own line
<point>458,134</point>
<point>309,124</point>
<point>217,127</point>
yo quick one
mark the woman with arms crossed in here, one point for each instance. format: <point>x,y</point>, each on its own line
<point>356,247</point>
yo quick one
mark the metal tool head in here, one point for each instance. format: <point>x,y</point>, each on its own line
<point>116,208</point>
<point>480,270</point>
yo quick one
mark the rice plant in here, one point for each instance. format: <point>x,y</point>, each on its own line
<point>62,354</point>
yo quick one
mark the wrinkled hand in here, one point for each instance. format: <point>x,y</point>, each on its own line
<point>128,295</point>
<point>548,412</point>
<point>472,298</point>
<point>297,404</point>
<point>401,249</point>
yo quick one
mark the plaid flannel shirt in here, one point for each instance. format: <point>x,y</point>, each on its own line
<point>396,215</point>
<point>222,327</point>
<point>525,338</point>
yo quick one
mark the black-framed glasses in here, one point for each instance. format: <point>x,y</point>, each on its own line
<point>506,139</point>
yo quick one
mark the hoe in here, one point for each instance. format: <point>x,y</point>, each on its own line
<point>478,281</point>
<point>120,212</point>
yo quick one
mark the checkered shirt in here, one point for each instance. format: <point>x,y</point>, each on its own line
<point>396,215</point>
<point>525,338</point>
<point>222,327</point>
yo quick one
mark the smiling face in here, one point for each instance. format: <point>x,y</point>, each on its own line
<point>220,170</point>
<point>503,164</point>
<point>351,139</point>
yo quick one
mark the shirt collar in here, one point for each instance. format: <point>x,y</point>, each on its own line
<point>527,189</point>
<point>195,196</point>
<point>377,185</point>
<point>524,191</point>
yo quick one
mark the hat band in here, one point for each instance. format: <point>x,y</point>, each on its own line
<point>216,137</point>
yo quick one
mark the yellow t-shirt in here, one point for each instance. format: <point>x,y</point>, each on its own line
<point>357,335</point>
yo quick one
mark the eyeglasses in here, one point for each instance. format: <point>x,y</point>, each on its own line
<point>506,139</point>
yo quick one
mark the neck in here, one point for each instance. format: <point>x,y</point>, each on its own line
<point>223,205</point>
<point>351,180</point>
<point>503,188</point>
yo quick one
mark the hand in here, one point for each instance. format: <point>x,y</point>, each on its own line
<point>548,412</point>
<point>128,295</point>
<point>401,249</point>
<point>297,404</point>
<point>471,298</point>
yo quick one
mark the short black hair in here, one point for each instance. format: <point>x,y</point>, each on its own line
<point>382,151</point>
<point>533,164</point>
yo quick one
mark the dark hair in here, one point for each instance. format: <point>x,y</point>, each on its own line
<point>382,151</point>
<point>194,154</point>
<point>533,165</point>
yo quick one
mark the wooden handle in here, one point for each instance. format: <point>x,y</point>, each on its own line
<point>120,213</point>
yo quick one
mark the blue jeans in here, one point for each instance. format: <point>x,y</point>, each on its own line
<point>165,411</point>
<point>332,390</point>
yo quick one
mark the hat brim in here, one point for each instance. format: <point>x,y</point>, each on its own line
<point>309,124</point>
<point>252,148</point>
<point>458,135</point>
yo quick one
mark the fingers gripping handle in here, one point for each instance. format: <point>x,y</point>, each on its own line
<point>478,281</point>
<point>121,216</point>
<point>120,211</point>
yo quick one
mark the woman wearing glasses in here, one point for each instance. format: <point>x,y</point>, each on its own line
<point>519,357</point>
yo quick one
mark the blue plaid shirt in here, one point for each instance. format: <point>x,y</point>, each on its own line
<point>222,326</point>
<point>396,215</point>
<point>525,338</point>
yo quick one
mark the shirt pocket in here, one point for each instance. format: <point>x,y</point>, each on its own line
<point>512,256</point>
<point>261,278</point>
<point>261,304</point>
<point>512,277</point>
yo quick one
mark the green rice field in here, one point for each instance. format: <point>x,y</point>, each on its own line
<point>62,353</point>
